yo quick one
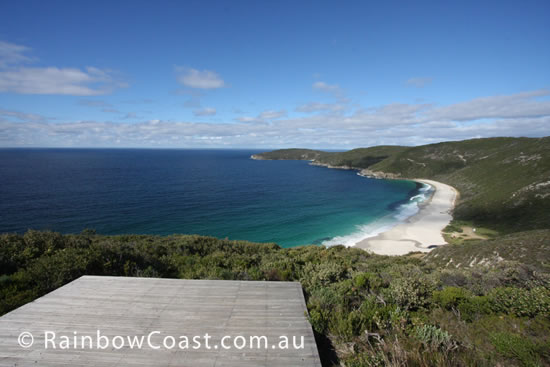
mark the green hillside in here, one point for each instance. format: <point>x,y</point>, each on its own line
<point>290,154</point>
<point>530,248</point>
<point>355,158</point>
<point>361,157</point>
<point>504,183</point>
<point>366,310</point>
<point>473,303</point>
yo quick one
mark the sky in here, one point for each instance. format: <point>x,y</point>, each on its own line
<point>271,74</point>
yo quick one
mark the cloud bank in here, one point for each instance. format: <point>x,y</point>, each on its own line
<point>336,123</point>
<point>521,114</point>
<point>17,77</point>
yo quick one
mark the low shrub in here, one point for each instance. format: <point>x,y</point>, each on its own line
<point>411,293</point>
<point>368,309</point>
<point>345,326</point>
<point>434,338</point>
<point>318,319</point>
<point>451,297</point>
<point>472,308</point>
<point>319,275</point>
<point>516,347</point>
<point>520,301</point>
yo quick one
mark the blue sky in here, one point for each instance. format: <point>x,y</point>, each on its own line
<point>258,74</point>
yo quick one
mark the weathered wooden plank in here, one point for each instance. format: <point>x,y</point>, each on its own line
<point>118,306</point>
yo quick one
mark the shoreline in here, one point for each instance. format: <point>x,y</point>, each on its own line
<point>420,232</point>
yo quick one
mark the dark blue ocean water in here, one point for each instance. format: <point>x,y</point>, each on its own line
<point>221,193</point>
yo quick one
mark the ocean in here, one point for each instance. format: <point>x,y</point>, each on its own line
<point>221,193</point>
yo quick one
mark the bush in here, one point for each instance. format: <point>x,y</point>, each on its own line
<point>516,347</point>
<point>347,292</point>
<point>434,338</point>
<point>398,318</point>
<point>370,310</point>
<point>470,309</point>
<point>277,270</point>
<point>319,275</point>
<point>453,228</point>
<point>520,301</point>
<point>365,359</point>
<point>347,325</point>
<point>361,280</point>
<point>411,293</point>
<point>451,297</point>
<point>318,320</point>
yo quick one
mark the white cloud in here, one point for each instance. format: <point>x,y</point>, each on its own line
<point>247,119</point>
<point>317,107</point>
<point>419,82</point>
<point>271,114</point>
<point>395,123</point>
<point>208,111</point>
<point>12,54</point>
<point>22,116</point>
<point>263,116</point>
<point>51,80</point>
<point>17,78</point>
<point>322,86</point>
<point>94,103</point>
<point>102,105</point>
<point>332,89</point>
<point>284,133</point>
<point>511,106</point>
<point>202,79</point>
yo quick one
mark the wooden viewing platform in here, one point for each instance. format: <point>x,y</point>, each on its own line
<point>120,306</point>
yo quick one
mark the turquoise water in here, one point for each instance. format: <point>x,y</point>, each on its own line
<point>221,193</point>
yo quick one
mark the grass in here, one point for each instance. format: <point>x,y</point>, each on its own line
<point>460,231</point>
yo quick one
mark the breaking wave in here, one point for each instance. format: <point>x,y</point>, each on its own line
<point>373,229</point>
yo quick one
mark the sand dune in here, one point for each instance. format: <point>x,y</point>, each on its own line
<point>421,232</point>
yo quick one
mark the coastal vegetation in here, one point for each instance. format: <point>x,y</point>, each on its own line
<point>484,303</point>
<point>356,158</point>
<point>504,183</point>
<point>482,300</point>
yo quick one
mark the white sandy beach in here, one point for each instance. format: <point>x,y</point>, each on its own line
<point>422,231</point>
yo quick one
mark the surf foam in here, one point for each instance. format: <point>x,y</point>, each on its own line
<point>373,229</point>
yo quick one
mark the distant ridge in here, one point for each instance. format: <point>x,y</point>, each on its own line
<point>504,182</point>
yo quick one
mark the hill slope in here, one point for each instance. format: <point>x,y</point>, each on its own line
<point>355,158</point>
<point>365,309</point>
<point>531,248</point>
<point>504,182</point>
<point>290,154</point>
